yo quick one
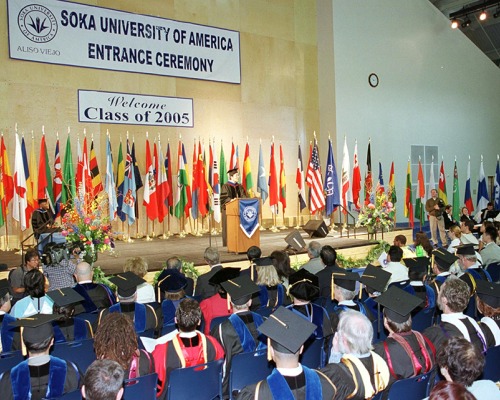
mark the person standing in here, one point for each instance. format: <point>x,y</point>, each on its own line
<point>229,191</point>
<point>435,207</point>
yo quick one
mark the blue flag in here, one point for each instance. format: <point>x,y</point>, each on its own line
<point>482,190</point>
<point>262,178</point>
<point>110,186</point>
<point>331,186</point>
<point>129,190</point>
<point>497,186</point>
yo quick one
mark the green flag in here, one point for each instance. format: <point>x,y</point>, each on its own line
<point>182,182</point>
<point>222,167</point>
<point>420,200</point>
<point>68,184</point>
<point>456,198</point>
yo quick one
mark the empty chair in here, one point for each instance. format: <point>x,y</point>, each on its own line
<point>247,369</point>
<point>80,352</point>
<point>143,387</point>
<point>494,271</point>
<point>492,366</point>
<point>217,321</point>
<point>201,382</point>
<point>411,388</point>
<point>9,360</point>
<point>312,355</point>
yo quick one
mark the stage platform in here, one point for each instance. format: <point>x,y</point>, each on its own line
<point>191,248</point>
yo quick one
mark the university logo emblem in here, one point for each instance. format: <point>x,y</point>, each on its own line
<point>249,213</point>
<point>37,23</point>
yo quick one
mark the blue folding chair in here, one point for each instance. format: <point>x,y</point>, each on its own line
<point>423,319</point>
<point>168,310</point>
<point>9,360</point>
<point>201,382</point>
<point>312,356</point>
<point>411,388</point>
<point>378,336</point>
<point>142,387</point>
<point>494,271</point>
<point>217,321</point>
<point>247,369</point>
<point>492,366</point>
<point>81,353</point>
<point>74,395</point>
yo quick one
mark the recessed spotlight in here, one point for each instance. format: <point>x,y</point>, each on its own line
<point>483,16</point>
<point>454,23</point>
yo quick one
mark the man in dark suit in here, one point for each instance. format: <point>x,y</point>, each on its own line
<point>328,257</point>
<point>203,288</point>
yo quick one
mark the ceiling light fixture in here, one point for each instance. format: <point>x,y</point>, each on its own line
<point>483,16</point>
<point>466,22</point>
<point>454,23</point>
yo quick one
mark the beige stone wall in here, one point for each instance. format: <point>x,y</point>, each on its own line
<point>278,95</point>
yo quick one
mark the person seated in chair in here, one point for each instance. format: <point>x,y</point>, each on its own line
<point>328,257</point>
<point>8,334</point>
<point>490,253</point>
<point>16,276</point>
<point>418,268</point>
<point>443,260</point>
<point>399,272</point>
<point>41,375</point>
<point>272,292</point>
<point>36,301</point>
<point>103,380</point>
<point>407,352</point>
<point>471,269</point>
<point>488,304</point>
<point>145,291</point>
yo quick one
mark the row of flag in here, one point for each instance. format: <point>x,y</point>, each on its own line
<point>197,192</point>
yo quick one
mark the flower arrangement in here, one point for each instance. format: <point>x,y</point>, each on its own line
<point>86,221</point>
<point>377,216</point>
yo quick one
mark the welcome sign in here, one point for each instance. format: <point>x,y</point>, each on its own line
<point>60,32</point>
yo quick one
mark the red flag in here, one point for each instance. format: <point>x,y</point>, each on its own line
<point>202,183</point>
<point>368,176</point>
<point>273,184</point>
<point>150,194</point>
<point>282,191</point>
<point>6,180</point>
<point>95,175</point>
<point>86,168</point>
<point>163,189</point>
<point>168,169</point>
<point>356,179</point>
<point>315,181</point>
<point>194,183</point>
<point>233,161</point>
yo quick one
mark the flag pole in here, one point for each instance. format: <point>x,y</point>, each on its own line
<point>6,236</point>
<point>163,236</point>
<point>182,233</point>
<point>298,214</point>
<point>147,238</point>
<point>129,240</point>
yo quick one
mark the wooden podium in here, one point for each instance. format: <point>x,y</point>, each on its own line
<point>237,241</point>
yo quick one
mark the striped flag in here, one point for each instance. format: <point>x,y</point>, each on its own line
<point>497,186</point>
<point>129,189</point>
<point>456,194</point>
<point>356,179</point>
<point>408,198</point>
<point>232,161</point>
<point>247,172</point>
<point>222,166</point>
<point>169,184</point>
<point>299,180</point>
<point>44,176</point>
<point>262,178</point>
<point>94,172</point>
<point>6,183</point>
<point>215,187</point>
<point>380,183</point>
<point>315,181</point>
<point>110,186</point>
<point>482,190</point>
<point>194,183</point>
<point>346,179</point>
<point>68,170</point>
<point>163,188</point>
<point>120,182</point>
<point>20,207</point>
<point>442,184</point>
<point>391,190</point>
<point>202,182</point>
<point>468,195</point>
<point>57,182</point>
<point>32,179</point>
<point>419,202</point>
<point>273,183</point>
<point>368,176</point>
<point>150,194</point>
<point>282,191</point>
<point>331,185</point>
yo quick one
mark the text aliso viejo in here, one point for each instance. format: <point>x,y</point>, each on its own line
<point>75,34</point>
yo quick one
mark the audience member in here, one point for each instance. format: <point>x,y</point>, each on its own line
<point>272,293</point>
<point>188,348</point>
<point>16,276</point>
<point>418,269</point>
<point>103,381</point>
<point>287,333</point>
<point>488,213</point>
<point>238,334</point>
<point>464,214</point>
<point>41,375</point>
<point>443,260</point>
<point>253,254</point>
<point>96,295</point>
<point>344,293</point>
<point>328,257</point>
<point>471,269</point>
<point>399,273</point>
<point>462,362</point>
<point>203,289</point>
<point>6,334</point>
<point>490,252</point>
<point>35,302</point>
<point>314,265</point>
<point>482,229</point>
<point>423,246</point>
<point>145,317</point>
<point>467,236</point>
<point>363,371</point>
<point>176,263</point>
<point>488,304</point>
<point>452,301</point>
<point>139,266</point>
<point>171,286</point>
<point>281,261</point>
<point>435,208</point>
<point>116,340</point>
<point>218,305</point>
<point>400,241</point>
<point>445,390</point>
<point>455,235</point>
<point>448,217</point>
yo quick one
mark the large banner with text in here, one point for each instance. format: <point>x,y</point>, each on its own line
<point>61,32</point>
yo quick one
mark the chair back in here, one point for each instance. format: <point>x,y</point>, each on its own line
<point>201,382</point>
<point>10,359</point>
<point>74,395</point>
<point>494,271</point>
<point>247,369</point>
<point>378,336</point>
<point>492,366</point>
<point>411,388</point>
<point>217,321</point>
<point>79,352</point>
<point>142,387</point>
<point>312,356</point>
<point>423,319</point>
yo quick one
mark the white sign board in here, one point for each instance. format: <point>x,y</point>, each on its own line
<point>134,109</point>
<point>61,32</point>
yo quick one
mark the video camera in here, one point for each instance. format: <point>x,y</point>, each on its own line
<point>54,253</point>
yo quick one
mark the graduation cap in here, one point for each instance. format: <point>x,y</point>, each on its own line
<point>4,287</point>
<point>65,296</point>
<point>223,275</point>
<point>287,330</point>
<point>444,258</point>
<point>303,285</point>
<point>240,289</point>
<point>127,283</point>
<point>171,280</point>
<point>232,171</point>
<point>263,261</point>
<point>488,292</point>
<point>375,278</point>
<point>417,264</point>
<point>346,280</point>
<point>36,328</point>
<point>398,304</point>
<point>466,249</point>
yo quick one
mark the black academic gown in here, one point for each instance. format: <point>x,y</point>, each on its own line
<point>325,279</point>
<point>39,379</point>
<point>489,334</point>
<point>100,297</point>
<point>297,385</point>
<point>203,289</point>
<point>154,319</point>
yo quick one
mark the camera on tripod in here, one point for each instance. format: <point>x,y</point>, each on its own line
<point>54,253</point>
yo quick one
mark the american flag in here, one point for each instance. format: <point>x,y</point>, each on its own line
<point>315,181</point>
